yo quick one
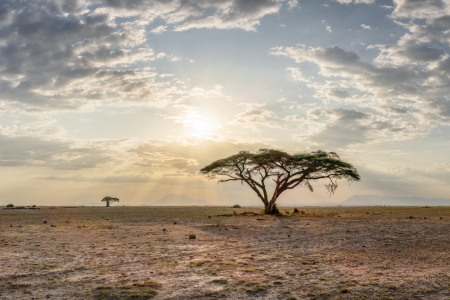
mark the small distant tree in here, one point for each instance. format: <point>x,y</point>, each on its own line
<point>10,205</point>
<point>286,170</point>
<point>109,200</point>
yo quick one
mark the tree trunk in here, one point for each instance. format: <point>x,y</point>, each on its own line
<point>107,203</point>
<point>269,209</point>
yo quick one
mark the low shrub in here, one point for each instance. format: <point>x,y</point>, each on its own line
<point>236,206</point>
<point>10,205</point>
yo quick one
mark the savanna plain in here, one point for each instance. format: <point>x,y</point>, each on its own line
<point>124,252</point>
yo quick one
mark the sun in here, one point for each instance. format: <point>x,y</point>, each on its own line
<point>201,126</point>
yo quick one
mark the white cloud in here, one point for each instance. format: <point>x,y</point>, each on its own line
<point>429,9</point>
<point>366,27</point>
<point>339,128</point>
<point>406,80</point>
<point>297,74</point>
<point>355,1</point>
<point>327,28</point>
<point>158,30</point>
<point>253,117</point>
<point>86,38</point>
<point>292,4</point>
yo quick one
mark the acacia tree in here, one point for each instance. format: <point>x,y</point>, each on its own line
<point>109,200</point>
<point>287,171</point>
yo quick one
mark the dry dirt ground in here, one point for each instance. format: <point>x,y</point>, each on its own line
<point>145,252</point>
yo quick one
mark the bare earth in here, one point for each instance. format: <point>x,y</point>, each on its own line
<point>145,252</point>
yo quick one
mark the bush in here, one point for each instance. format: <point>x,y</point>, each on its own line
<point>296,211</point>
<point>192,236</point>
<point>236,206</point>
<point>10,205</point>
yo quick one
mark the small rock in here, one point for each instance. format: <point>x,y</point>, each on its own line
<point>164,229</point>
<point>45,221</point>
<point>209,217</point>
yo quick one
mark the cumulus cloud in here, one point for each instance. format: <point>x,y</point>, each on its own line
<point>68,55</point>
<point>160,29</point>
<point>392,81</point>
<point>109,179</point>
<point>338,128</point>
<point>420,9</point>
<point>402,93</point>
<point>292,4</point>
<point>220,14</point>
<point>63,55</point>
<point>254,116</point>
<point>230,14</point>
<point>355,1</point>
<point>189,155</point>
<point>55,154</point>
<point>297,74</point>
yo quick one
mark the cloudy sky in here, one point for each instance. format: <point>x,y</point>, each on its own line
<point>130,98</point>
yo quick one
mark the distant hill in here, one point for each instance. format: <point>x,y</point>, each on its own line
<point>363,200</point>
<point>179,200</point>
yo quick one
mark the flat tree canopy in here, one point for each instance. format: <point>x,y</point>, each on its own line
<point>286,170</point>
<point>109,200</point>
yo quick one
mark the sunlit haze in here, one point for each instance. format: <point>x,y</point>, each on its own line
<point>131,98</point>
